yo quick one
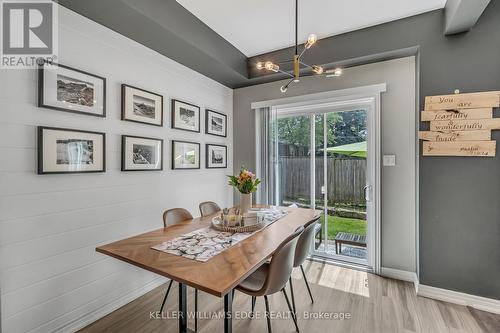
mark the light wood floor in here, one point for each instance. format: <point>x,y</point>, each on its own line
<point>374,304</point>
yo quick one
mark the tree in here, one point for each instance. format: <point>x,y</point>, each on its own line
<point>342,128</point>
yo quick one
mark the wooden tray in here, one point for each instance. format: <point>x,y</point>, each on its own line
<point>217,224</point>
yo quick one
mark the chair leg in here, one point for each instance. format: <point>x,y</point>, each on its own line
<point>307,284</point>
<point>293,296</point>
<point>254,299</point>
<point>165,298</point>
<point>268,316</point>
<point>196,310</point>
<point>290,308</point>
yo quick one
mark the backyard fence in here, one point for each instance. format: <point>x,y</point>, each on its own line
<point>346,179</point>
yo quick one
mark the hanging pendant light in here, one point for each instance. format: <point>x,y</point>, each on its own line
<point>297,62</point>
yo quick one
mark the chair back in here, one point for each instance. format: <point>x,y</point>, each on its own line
<point>209,208</point>
<point>305,242</point>
<point>281,265</point>
<point>175,215</point>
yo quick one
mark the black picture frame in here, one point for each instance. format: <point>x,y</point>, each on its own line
<point>123,106</point>
<point>173,154</point>
<point>123,157</point>
<point>207,111</point>
<point>40,155</point>
<point>41,89</point>
<point>207,157</point>
<point>172,122</point>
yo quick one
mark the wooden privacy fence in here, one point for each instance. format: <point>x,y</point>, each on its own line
<point>346,179</point>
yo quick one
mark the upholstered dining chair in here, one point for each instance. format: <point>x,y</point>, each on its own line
<point>272,277</point>
<point>171,217</point>
<point>209,208</point>
<point>304,245</point>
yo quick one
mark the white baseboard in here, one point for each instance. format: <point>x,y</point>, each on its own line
<point>399,274</point>
<point>477,302</point>
<point>108,308</point>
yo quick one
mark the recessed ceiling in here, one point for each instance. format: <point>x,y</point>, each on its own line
<point>260,26</point>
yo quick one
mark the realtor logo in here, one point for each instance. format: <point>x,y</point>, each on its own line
<point>29,32</point>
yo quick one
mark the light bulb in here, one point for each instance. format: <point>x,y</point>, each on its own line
<point>334,72</point>
<point>317,69</point>
<point>283,89</point>
<point>312,39</point>
<point>271,67</point>
<point>260,65</point>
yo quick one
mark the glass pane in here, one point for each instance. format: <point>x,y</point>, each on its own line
<point>346,179</point>
<point>293,160</point>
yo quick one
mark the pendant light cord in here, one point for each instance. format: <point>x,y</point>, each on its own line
<point>296,27</point>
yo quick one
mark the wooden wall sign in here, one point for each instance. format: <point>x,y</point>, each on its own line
<point>460,148</point>
<point>463,101</point>
<point>466,125</point>
<point>463,114</point>
<point>460,124</point>
<point>455,136</point>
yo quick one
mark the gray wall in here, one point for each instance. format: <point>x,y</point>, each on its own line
<point>458,197</point>
<point>397,121</point>
<point>50,273</point>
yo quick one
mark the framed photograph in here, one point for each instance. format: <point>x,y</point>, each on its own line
<point>216,156</point>
<point>141,154</point>
<point>141,106</point>
<point>62,150</point>
<point>215,123</point>
<point>67,89</point>
<point>185,116</point>
<point>185,155</point>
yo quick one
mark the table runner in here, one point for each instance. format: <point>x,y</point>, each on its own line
<point>205,243</point>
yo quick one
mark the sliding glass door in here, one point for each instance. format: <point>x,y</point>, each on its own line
<point>341,180</point>
<point>323,159</point>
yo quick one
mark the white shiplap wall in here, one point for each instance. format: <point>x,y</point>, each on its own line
<point>51,277</point>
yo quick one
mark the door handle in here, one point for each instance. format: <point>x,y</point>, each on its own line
<point>368,193</point>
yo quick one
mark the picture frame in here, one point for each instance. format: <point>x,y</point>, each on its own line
<point>215,123</point>
<point>68,89</point>
<point>215,156</point>
<point>185,155</point>
<point>141,106</point>
<point>64,150</point>
<point>185,116</point>
<point>141,153</point>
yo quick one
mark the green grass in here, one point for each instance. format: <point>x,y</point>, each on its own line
<point>338,224</point>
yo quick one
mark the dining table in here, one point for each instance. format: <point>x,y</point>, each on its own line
<point>220,274</point>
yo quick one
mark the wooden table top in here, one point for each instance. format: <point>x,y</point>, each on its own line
<point>219,274</point>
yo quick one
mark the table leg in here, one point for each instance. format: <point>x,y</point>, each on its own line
<point>228,315</point>
<point>183,315</point>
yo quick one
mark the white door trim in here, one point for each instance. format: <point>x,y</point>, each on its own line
<point>351,93</point>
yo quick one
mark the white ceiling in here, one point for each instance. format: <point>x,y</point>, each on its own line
<point>260,26</point>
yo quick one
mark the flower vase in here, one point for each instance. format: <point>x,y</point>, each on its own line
<point>245,202</point>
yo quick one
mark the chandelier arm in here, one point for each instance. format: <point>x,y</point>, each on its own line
<point>288,83</point>
<point>307,65</point>
<point>289,74</point>
<point>303,51</point>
